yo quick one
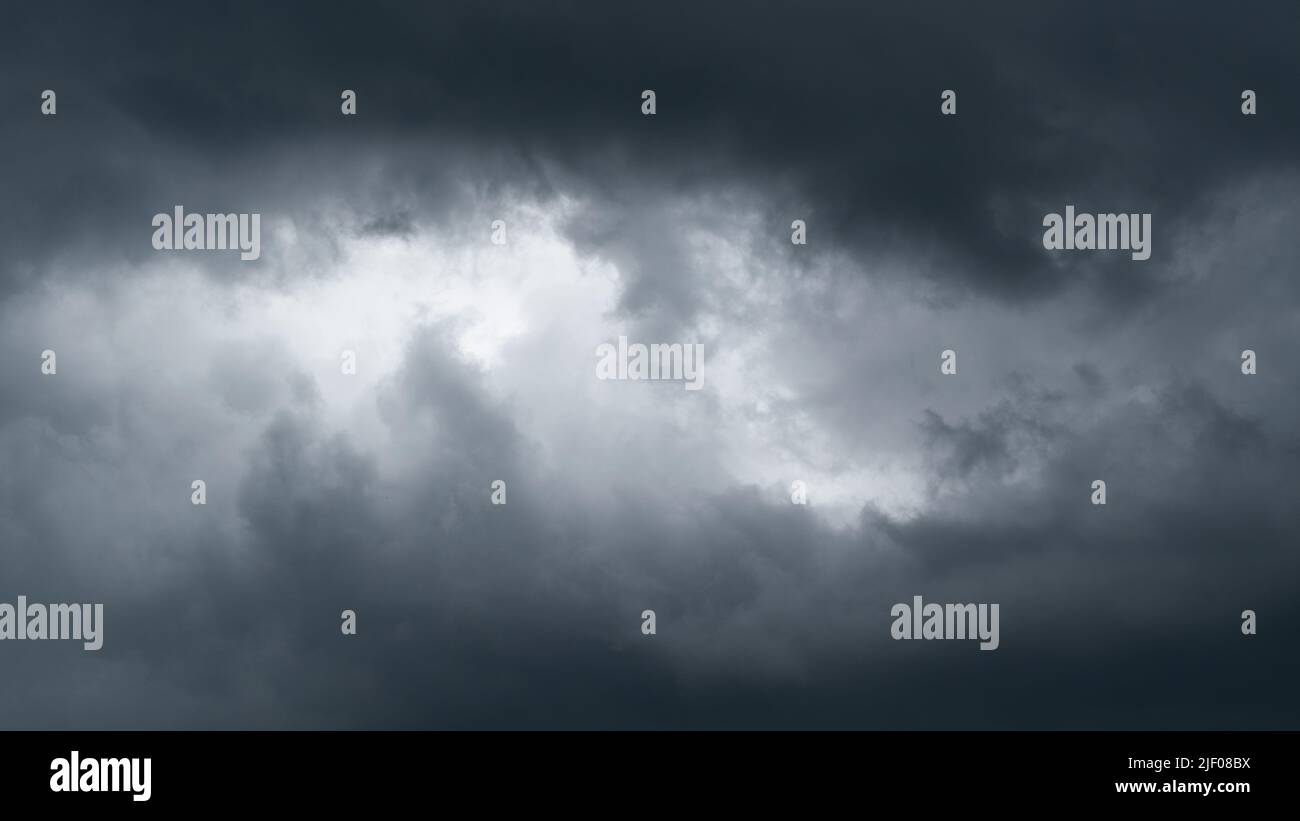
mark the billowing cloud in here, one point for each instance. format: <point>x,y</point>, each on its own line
<point>476,362</point>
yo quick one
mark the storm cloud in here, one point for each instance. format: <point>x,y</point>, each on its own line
<point>370,491</point>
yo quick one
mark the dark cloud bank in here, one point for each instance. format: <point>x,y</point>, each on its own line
<point>470,615</point>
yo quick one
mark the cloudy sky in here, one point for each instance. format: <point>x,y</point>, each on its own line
<point>476,362</point>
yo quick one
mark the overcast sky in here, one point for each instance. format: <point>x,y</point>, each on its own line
<point>476,362</point>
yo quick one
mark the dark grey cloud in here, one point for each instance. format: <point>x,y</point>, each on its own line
<point>526,616</point>
<point>1119,109</point>
<point>372,494</point>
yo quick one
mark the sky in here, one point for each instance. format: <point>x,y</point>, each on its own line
<point>476,362</point>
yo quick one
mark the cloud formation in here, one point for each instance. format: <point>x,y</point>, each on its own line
<point>475,363</point>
